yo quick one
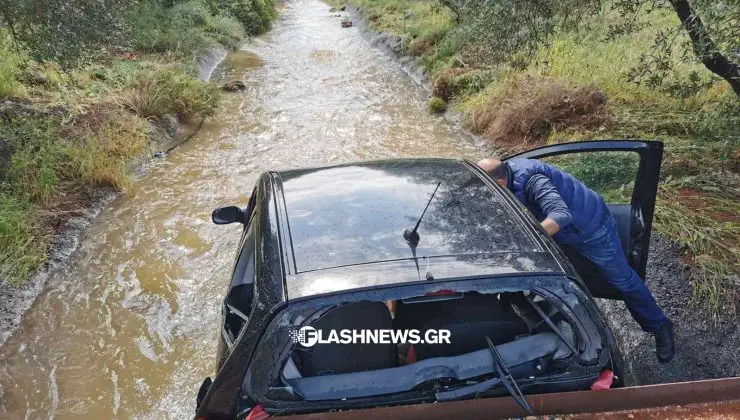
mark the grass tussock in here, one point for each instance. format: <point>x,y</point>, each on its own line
<point>165,91</point>
<point>10,86</point>
<point>80,130</point>
<point>21,252</point>
<point>102,141</point>
<point>706,219</point>
<point>43,158</point>
<point>437,105</point>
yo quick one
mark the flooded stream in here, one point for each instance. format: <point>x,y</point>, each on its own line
<point>128,328</point>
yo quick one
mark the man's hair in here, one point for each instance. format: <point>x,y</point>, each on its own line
<point>496,169</point>
<point>499,172</point>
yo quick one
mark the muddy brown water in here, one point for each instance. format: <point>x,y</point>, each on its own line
<point>127,329</point>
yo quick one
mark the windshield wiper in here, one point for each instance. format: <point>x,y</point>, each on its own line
<point>507,379</point>
<point>504,376</point>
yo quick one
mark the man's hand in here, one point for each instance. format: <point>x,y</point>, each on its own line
<point>551,226</point>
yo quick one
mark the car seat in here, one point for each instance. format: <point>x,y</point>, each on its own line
<point>334,358</point>
<point>469,320</point>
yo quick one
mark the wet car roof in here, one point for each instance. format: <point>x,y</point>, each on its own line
<point>357,213</point>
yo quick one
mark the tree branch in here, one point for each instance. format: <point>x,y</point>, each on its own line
<point>704,47</point>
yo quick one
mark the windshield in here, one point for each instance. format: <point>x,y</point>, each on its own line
<point>338,352</point>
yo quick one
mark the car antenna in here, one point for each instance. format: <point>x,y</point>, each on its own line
<point>411,235</point>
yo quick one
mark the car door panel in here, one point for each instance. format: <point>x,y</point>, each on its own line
<point>634,220</point>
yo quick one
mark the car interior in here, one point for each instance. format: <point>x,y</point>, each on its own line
<point>533,338</point>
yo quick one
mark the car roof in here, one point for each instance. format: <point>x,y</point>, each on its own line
<point>354,214</point>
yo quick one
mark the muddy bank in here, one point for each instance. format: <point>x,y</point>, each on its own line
<point>705,349</point>
<point>390,44</point>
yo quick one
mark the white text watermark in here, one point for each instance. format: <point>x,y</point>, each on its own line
<point>310,336</point>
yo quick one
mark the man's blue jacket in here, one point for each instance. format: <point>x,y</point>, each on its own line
<point>549,192</point>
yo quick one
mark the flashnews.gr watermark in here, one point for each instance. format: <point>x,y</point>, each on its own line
<point>310,336</point>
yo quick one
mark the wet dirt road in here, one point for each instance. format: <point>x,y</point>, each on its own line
<point>128,328</point>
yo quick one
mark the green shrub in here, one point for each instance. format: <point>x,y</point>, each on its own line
<point>68,32</point>
<point>187,29</point>
<point>38,154</point>
<point>437,105</point>
<point>226,30</point>
<point>256,15</point>
<point>9,86</point>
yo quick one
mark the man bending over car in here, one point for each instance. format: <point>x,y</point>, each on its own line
<point>576,216</point>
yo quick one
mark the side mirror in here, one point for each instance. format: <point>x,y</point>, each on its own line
<point>227,215</point>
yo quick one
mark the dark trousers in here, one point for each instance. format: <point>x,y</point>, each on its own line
<point>604,249</point>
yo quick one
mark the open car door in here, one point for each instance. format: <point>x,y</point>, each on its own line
<point>625,173</point>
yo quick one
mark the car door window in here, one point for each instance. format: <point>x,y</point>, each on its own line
<point>611,174</point>
<point>239,300</point>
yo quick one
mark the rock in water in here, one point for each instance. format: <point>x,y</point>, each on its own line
<point>343,7</point>
<point>234,86</point>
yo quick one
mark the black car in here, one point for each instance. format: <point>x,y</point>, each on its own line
<point>417,244</point>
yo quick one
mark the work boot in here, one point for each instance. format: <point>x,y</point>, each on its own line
<point>665,346</point>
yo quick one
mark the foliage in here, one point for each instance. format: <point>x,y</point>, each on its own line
<point>9,71</point>
<point>35,160</point>
<point>704,218</point>
<point>186,29</point>
<point>494,30</point>
<point>95,147</point>
<point>611,174</point>
<point>69,123</point>
<point>514,68</point>
<point>99,144</point>
<point>71,33</point>
<point>421,24</point>
<point>256,15</point>
<point>64,30</point>
<point>714,29</point>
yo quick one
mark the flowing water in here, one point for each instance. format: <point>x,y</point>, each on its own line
<point>128,328</point>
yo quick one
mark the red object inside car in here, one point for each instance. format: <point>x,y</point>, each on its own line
<point>257,413</point>
<point>606,378</point>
